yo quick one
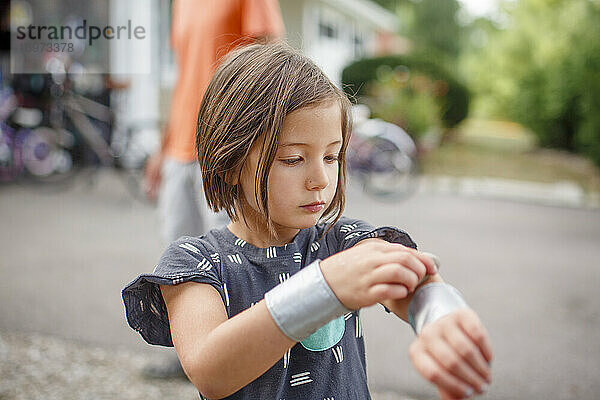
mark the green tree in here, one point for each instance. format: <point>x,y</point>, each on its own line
<point>542,69</point>
<point>434,25</point>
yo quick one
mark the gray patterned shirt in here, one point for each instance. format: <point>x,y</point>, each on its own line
<point>330,364</point>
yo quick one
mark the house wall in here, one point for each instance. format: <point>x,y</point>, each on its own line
<point>329,34</point>
<point>292,12</point>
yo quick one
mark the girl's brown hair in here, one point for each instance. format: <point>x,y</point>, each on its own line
<point>249,96</point>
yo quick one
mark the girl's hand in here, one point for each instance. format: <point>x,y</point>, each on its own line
<point>374,271</point>
<point>454,353</point>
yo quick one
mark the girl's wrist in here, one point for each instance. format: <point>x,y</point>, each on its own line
<point>431,302</point>
<point>303,303</point>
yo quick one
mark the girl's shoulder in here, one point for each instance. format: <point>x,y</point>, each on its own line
<point>205,245</point>
<point>186,259</point>
<point>346,232</point>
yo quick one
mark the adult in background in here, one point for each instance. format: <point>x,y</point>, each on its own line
<point>202,32</point>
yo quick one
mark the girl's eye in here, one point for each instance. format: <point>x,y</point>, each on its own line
<point>291,161</point>
<point>332,158</point>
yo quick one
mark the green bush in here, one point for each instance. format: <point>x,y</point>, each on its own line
<point>454,103</point>
<point>405,99</point>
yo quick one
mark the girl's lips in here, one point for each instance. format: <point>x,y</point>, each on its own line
<point>314,207</point>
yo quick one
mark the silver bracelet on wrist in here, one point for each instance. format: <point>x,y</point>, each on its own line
<point>303,303</point>
<point>431,302</point>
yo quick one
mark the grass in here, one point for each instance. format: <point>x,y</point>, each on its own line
<point>506,150</point>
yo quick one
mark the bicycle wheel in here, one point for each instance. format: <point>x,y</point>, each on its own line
<point>392,173</point>
<point>47,156</point>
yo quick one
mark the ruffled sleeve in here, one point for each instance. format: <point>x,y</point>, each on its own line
<point>186,259</point>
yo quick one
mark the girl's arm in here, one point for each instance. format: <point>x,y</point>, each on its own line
<point>454,353</point>
<point>220,355</point>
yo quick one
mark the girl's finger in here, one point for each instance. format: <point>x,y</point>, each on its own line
<point>445,395</point>
<point>469,351</point>
<point>429,260</point>
<point>425,258</point>
<point>387,291</point>
<point>408,260</point>
<point>455,365</point>
<point>397,274</point>
<point>473,327</point>
<point>436,263</point>
<point>429,368</point>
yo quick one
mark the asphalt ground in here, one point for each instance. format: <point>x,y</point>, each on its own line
<point>530,271</point>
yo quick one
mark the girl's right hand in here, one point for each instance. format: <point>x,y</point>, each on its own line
<point>374,271</point>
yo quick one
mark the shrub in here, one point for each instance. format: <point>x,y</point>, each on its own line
<point>405,99</point>
<point>453,105</point>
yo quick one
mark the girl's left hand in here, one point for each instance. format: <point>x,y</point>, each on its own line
<point>454,353</point>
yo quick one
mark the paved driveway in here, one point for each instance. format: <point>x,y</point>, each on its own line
<point>530,271</point>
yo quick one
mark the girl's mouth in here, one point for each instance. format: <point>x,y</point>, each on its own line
<point>314,207</point>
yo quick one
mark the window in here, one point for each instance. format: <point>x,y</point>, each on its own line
<point>327,30</point>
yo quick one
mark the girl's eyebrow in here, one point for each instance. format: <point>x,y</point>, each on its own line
<point>307,144</point>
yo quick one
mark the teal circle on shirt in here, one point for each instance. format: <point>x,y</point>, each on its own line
<point>326,337</point>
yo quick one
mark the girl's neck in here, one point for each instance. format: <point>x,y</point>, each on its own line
<point>255,231</point>
<point>261,238</point>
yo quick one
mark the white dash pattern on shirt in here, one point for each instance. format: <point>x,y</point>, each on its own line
<point>354,234</point>
<point>204,265</point>
<point>297,257</point>
<point>283,277</point>
<point>300,379</point>
<point>190,247</point>
<point>347,228</point>
<point>286,358</point>
<point>338,354</point>
<point>215,257</point>
<point>314,246</point>
<point>226,294</point>
<point>271,252</point>
<point>234,258</point>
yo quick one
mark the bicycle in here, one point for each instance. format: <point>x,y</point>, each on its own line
<point>383,157</point>
<point>30,152</point>
<point>123,147</point>
<point>81,132</point>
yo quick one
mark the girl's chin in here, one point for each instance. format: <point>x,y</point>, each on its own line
<point>308,221</point>
<point>304,222</point>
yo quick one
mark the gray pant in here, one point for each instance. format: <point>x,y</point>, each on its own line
<point>181,202</point>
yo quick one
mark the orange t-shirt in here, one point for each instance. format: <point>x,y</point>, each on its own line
<point>203,31</point>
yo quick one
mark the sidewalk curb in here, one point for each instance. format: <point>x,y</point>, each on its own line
<point>561,194</point>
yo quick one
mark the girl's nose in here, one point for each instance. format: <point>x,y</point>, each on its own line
<point>317,179</point>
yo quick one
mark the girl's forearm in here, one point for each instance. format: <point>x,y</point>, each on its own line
<point>237,352</point>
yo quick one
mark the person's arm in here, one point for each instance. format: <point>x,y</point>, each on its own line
<point>453,352</point>
<point>153,173</point>
<point>220,355</point>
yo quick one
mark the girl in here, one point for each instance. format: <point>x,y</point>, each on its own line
<point>268,307</point>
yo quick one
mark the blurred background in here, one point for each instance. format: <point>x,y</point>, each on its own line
<point>495,168</point>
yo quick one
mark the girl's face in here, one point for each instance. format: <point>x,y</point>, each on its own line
<point>303,178</point>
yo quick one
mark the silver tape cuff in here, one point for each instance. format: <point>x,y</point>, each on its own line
<point>303,303</point>
<point>431,302</point>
